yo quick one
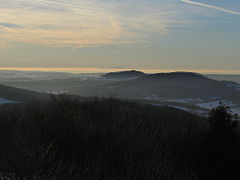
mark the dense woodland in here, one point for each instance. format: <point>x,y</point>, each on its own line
<point>69,138</point>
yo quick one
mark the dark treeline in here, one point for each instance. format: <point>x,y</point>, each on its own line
<point>107,139</point>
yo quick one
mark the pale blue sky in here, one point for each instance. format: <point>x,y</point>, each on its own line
<point>200,35</point>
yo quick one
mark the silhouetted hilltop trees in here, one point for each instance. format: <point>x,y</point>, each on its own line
<point>177,75</point>
<point>124,74</point>
<point>94,138</point>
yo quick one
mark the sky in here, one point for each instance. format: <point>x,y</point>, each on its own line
<point>95,35</point>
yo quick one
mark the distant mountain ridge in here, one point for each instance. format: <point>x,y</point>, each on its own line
<point>175,75</point>
<point>139,85</point>
<point>139,74</point>
<point>161,85</point>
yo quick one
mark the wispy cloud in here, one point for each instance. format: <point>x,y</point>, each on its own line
<point>211,6</point>
<point>90,23</point>
<point>84,23</point>
<point>51,2</point>
<point>9,25</point>
<point>76,46</point>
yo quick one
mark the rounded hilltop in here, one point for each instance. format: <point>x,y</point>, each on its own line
<point>178,74</point>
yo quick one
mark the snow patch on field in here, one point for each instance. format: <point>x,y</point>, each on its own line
<point>191,110</point>
<point>56,92</point>
<point>4,101</point>
<point>237,88</point>
<point>213,104</point>
<point>169,99</point>
<point>184,100</point>
<point>209,105</point>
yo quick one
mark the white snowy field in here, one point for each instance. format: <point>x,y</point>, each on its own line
<point>200,106</point>
<point>168,99</point>
<point>209,105</point>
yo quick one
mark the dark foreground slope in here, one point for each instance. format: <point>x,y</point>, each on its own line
<point>97,139</point>
<point>105,139</point>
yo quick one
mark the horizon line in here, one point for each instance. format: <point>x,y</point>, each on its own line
<point>76,70</point>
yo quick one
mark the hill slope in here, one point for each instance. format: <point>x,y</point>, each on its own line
<point>97,139</point>
<point>18,95</point>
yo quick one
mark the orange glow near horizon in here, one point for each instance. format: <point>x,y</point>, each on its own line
<point>105,70</point>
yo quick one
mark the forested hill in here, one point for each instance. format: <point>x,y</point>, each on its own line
<point>173,85</point>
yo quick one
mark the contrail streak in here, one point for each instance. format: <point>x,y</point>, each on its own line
<point>53,2</point>
<point>76,7</point>
<point>211,6</point>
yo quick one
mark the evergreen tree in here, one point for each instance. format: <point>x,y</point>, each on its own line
<point>221,147</point>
